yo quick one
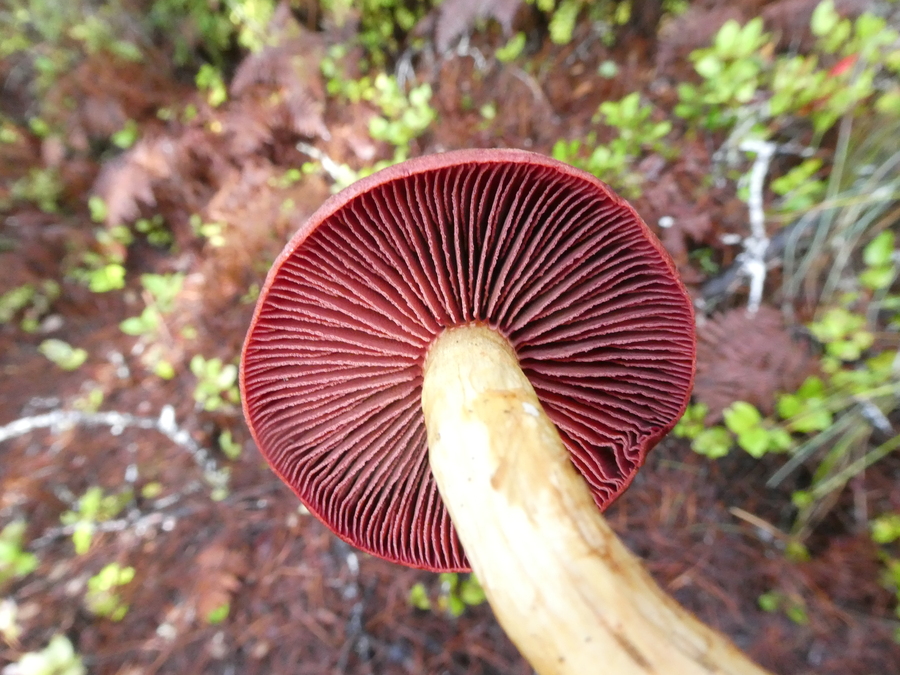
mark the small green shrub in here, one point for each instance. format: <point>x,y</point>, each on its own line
<point>32,301</point>
<point>219,614</point>
<point>212,27</point>
<point>453,596</point>
<point>14,561</point>
<point>880,258</point>
<point>512,49</point>
<point>230,447</point>
<point>209,80</point>
<point>742,79</point>
<point>885,531</point>
<point>42,187</point>
<point>57,658</point>
<point>160,291</point>
<point>404,117</point>
<point>614,162</point>
<point>93,507</point>
<point>216,383</point>
<point>793,606</point>
<point>102,598</point>
<point>885,528</point>
<point>127,136</point>
<point>383,25</point>
<point>103,270</point>
<point>212,232</point>
<point>63,354</point>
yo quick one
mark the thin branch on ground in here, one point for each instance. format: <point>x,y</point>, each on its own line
<point>465,48</point>
<point>754,262</point>
<point>339,173</point>
<point>356,638</point>
<point>140,522</point>
<point>117,422</point>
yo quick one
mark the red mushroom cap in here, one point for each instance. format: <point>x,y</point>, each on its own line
<point>543,253</point>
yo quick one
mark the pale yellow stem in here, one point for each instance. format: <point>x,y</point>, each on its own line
<point>568,593</point>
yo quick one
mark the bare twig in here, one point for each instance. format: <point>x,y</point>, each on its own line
<point>356,638</point>
<point>117,422</point>
<point>465,48</point>
<point>766,530</point>
<point>339,173</point>
<point>754,263</point>
<point>141,523</point>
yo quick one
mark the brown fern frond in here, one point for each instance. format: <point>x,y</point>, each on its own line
<point>289,69</point>
<point>748,357</point>
<point>457,17</point>
<point>126,182</point>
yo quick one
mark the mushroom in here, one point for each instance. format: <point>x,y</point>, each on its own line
<point>461,361</point>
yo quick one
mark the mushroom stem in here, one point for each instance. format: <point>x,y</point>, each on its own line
<point>568,593</point>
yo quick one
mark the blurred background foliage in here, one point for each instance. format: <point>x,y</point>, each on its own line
<point>156,152</point>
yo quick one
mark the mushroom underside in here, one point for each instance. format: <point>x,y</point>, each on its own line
<point>544,255</point>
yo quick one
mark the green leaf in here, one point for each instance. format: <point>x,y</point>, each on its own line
<point>562,23</point>
<point>770,602</point>
<point>14,562</point>
<point>687,92</point>
<point>755,441</point>
<point>378,128</point>
<point>879,251</point>
<point>886,528</point>
<point>418,597</point>
<point>63,354</point>
<point>824,18</point>
<point>788,405</point>
<point>227,377</point>
<point>780,440</point>
<point>751,37</point>
<point>152,490</point>
<point>817,419</point>
<point>741,417</point>
<point>471,592</point>
<point>219,614</point>
<point>230,448</point>
<point>745,93</point>
<point>727,38</point>
<point>836,324</point>
<point>852,348</point>
<point>125,137</point>
<point>110,277</point>
<point>146,323</point>
<point>455,606</point>
<point>812,387</point>
<point>511,50</point>
<point>164,369</point>
<point>90,502</point>
<point>796,551</point>
<point>797,614</point>
<point>97,208</point>
<point>691,423</point>
<point>877,278</point>
<point>889,102</point>
<point>82,536</point>
<point>709,66</point>
<point>869,27</point>
<point>837,37</point>
<point>164,288</point>
<point>15,300</point>
<point>714,442</point>
<point>794,178</point>
<point>198,365</point>
<point>802,499</point>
